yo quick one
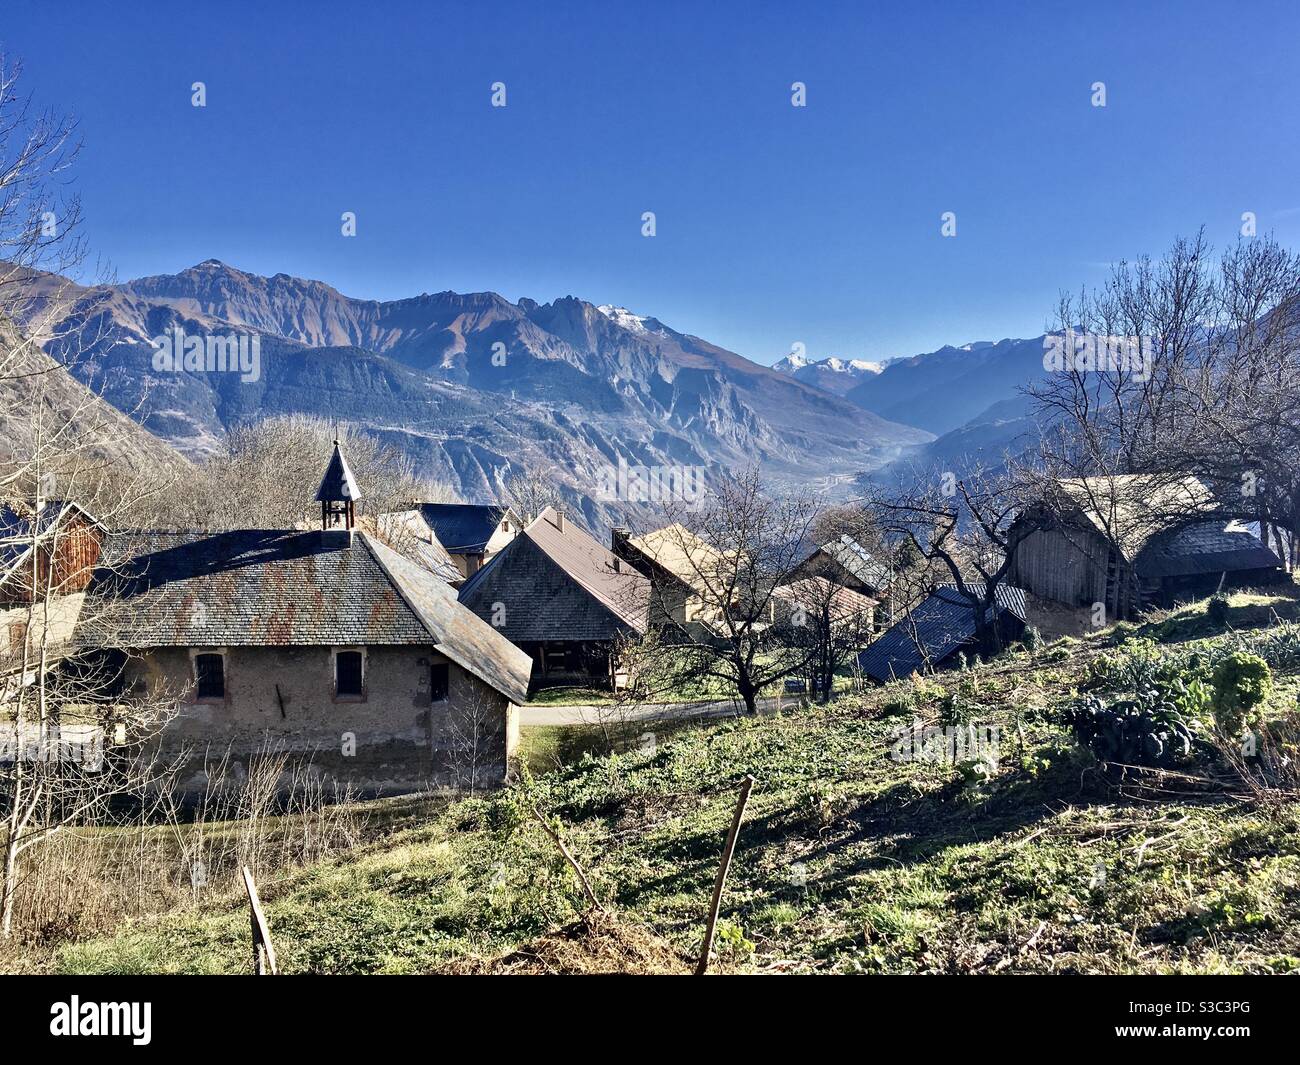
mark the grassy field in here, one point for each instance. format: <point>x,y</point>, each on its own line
<point>849,861</point>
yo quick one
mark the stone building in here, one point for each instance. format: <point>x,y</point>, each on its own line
<point>325,644</point>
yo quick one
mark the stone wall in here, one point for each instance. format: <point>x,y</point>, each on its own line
<point>392,739</point>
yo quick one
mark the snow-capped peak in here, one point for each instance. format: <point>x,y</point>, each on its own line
<point>621,316</point>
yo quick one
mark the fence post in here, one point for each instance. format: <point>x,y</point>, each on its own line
<point>263,951</point>
<point>727,851</point>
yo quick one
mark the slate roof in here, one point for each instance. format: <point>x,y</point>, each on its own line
<point>1208,547</point>
<point>338,485</point>
<point>943,623</point>
<point>558,585</point>
<point>462,527</point>
<point>281,588</point>
<point>858,561</point>
<point>406,533</point>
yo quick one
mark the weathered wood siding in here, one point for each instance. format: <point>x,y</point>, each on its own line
<point>1067,565</point>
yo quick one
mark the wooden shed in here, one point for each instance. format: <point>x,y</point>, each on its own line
<point>1132,542</point>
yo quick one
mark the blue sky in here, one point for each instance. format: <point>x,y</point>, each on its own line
<point>775,224</point>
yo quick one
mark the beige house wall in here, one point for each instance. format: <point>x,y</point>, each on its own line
<point>392,739</point>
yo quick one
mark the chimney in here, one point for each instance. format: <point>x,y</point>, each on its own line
<point>618,541</point>
<point>559,520</point>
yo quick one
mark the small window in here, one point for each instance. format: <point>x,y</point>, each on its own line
<point>347,673</point>
<point>209,676</point>
<point>439,679</point>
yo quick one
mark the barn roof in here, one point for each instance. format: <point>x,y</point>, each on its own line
<point>463,527</point>
<point>942,624</point>
<point>1131,509</point>
<point>272,587</point>
<point>554,583</point>
<point>1209,547</point>
<point>857,561</point>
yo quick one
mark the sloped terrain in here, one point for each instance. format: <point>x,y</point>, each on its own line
<point>849,861</point>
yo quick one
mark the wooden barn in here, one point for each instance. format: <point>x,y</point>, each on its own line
<point>1132,542</point>
<point>564,599</point>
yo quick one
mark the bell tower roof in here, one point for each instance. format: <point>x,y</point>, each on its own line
<point>338,485</point>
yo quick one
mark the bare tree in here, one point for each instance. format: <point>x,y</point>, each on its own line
<point>1214,390</point>
<point>961,531</point>
<point>830,622</point>
<point>715,571</point>
<point>268,475</point>
<point>528,492</point>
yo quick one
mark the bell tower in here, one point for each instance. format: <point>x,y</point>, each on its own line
<point>338,494</point>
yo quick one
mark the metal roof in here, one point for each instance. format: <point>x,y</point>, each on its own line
<point>462,527</point>
<point>942,624</point>
<point>858,561</point>
<point>274,587</point>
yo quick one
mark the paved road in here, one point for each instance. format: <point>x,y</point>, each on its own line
<point>593,715</point>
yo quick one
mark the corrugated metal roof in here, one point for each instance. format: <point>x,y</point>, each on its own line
<point>260,587</point>
<point>462,527</point>
<point>535,578</point>
<point>941,624</point>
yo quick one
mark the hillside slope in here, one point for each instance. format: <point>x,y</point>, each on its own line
<point>849,861</point>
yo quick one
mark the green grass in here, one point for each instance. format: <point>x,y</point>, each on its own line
<point>848,861</point>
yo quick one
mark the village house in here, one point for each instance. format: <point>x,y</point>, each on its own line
<point>933,634</point>
<point>470,534</point>
<point>48,552</point>
<point>847,564</point>
<point>1134,541</point>
<point>686,574</point>
<point>563,599</point>
<point>323,644</point>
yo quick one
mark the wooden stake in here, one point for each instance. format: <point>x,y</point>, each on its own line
<point>573,862</point>
<point>727,851</point>
<point>263,951</point>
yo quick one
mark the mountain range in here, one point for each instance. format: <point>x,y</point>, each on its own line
<point>470,386</point>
